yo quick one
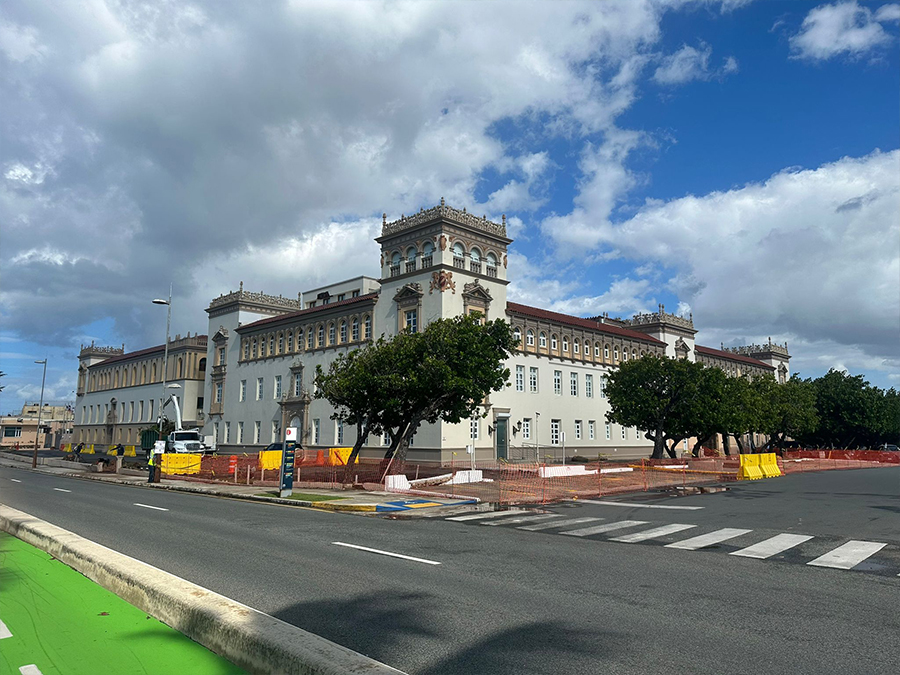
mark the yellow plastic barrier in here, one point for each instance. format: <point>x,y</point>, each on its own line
<point>270,459</point>
<point>768,464</point>
<point>338,456</point>
<point>180,464</point>
<point>749,468</point>
<point>88,449</point>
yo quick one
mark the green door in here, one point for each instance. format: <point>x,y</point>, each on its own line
<point>500,425</point>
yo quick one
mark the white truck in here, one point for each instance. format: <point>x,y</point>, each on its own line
<point>183,440</point>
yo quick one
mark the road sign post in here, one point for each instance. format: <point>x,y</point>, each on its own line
<point>286,480</point>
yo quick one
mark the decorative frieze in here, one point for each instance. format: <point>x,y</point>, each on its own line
<point>241,296</point>
<point>447,213</point>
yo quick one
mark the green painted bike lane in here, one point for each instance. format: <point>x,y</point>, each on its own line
<point>64,624</point>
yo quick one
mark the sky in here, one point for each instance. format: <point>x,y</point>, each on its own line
<point>737,160</point>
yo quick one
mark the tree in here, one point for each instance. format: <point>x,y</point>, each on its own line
<point>443,373</point>
<point>657,395</point>
<point>743,409</point>
<point>711,408</point>
<point>846,406</point>
<point>789,409</point>
<point>354,385</point>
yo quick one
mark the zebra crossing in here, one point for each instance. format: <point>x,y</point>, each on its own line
<point>853,554</point>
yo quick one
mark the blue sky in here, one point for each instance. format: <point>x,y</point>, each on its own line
<point>737,160</point>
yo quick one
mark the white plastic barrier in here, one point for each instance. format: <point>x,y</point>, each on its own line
<point>398,483</point>
<point>567,470</point>
<point>468,476</point>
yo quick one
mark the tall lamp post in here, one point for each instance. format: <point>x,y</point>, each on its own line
<point>37,434</point>
<point>160,301</point>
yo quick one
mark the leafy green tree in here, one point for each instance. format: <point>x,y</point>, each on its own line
<point>848,409</point>
<point>657,395</point>
<point>789,409</point>
<point>710,408</point>
<point>742,412</point>
<point>443,373</point>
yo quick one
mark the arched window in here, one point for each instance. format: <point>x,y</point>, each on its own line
<point>395,264</point>
<point>606,352</point>
<point>309,338</point>
<point>290,341</point>
<point>144,374</point>
<point>427,254</point>
<point>565,344</point>
<point>459,253</point>
<point>367,328</point>
<point>411,254</point>
<point>320,341</point>
<point>529,338</point>
<point>280,343</point>
<point>616,354</point>
<point>597,350</point>
<point>331,339</point>
<point>271,345</point>
<point>625,354</point>
<point>153,372</point>
<point>180,369</point>
<point>343,333</point>
<point>201,366</point>
<point>575,346</point>
<point>542,340</point>
<point>262,347</point>
<point>354,329</point>
<point>554,343</point>
<point>117,380</point>
<point>587,349</point>
<point>633,354</point>
<point>517,335</point>
<point>133,375</point>
<point>246,349</point>
<point>491,265</point>
<point>475,254</point>
<point>475,260</point>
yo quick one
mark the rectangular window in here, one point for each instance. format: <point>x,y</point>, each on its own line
<point>259,388</point>
<point>557,382</point>
<point>341,296</point>
<point>577,430</point>
<point>316,428</point>
<point>141,406</point>
<point>240,436</point>
<point>554,432</point>
<point>12,432</point>
<point>354,330</point>
<point>277,387</point>
<point>354,294</point>
<point>473,428</point>
<point>218,398</point>
<point>412,320</point>
<point>221,356</point>
<point>591,432</point>
<point>533,380</point>
<point>608,432</point>
<point>243,396</point>
<point>298,385</point>
<point>256,430</point>
<point>573,384</point>
<point>275,435</point>
<point>520,378</point>
<point>339,432</point>
<point>526,429</point>
<point>131,411</point>
<point>227,432</point>
<point>216,432</point>
<point>589,386</point>
<point>603,386</point>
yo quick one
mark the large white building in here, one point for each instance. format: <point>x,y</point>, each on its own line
<point>439,263</point>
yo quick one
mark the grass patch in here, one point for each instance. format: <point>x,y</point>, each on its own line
<point>303,496</point>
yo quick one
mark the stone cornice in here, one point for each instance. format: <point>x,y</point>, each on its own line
<point>443,212</point>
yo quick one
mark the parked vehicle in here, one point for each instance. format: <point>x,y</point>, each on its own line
<point>277,446</point>
<point>890,447</point>
<point>182,440</point>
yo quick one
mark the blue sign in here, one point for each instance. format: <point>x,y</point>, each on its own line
<point>287,470</point>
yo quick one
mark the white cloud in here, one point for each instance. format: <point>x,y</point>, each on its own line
<point>20,43</point>
<point>689,64</point>
<point>842,29</point>
<point>810,254</point>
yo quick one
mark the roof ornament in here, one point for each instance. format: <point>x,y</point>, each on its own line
<point>442,201</point>
<point>383,219</point>
<point>504,220</point>
<point>242,287</point>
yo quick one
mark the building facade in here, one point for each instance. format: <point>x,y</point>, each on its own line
<point>121,393</point>
<point>440,263</point>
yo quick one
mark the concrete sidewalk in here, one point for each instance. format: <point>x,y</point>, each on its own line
<point>357,501</point>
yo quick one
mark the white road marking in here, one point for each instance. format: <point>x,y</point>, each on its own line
<point>147,506</point>
<point>61,490</point>
<point>652,533</point>
<point>387,553</point>
<point>597,529</point>
<point>772,545</point>
<point>4,631</point>
<point>557,523</point>
<point>526,519</point>
<point>30,670</point>
<point>704,540</point>
<point>849,555</point>
<point>487,514</point>
<point>634,505</point>
<point>15,480</point>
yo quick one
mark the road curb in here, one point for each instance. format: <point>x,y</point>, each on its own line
<point>249,638</point>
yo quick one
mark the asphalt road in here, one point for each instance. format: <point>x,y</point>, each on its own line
<point>507,600</point>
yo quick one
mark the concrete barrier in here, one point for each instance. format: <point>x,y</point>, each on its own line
<point>249,638</point>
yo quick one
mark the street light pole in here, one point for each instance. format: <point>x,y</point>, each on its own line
<point>159,301</point>
<point>37,434</point>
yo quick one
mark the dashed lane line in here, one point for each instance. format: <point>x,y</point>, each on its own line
<point>608,527</point>
<point>147,506</point>
<point>849,555</point>
<point>387,553</point>
<point>773,545</point>
<point>61,490</point>
<point>558,523</point>
<point>708,539</point>
<point>15,480</point>
<point>652,533</point>
<point>635,505</point>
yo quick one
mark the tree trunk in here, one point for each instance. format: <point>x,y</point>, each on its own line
<point>699,444</point>
<point>670,450</point>
<point>740,443</point>
<point>351,460</point>
<point>726,445</point>
<point>659,442</point>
